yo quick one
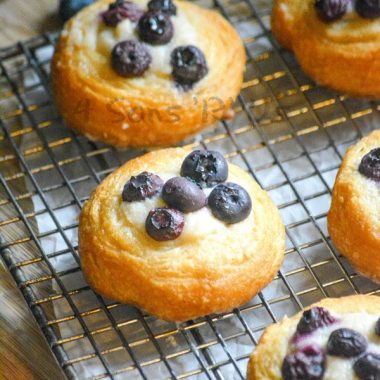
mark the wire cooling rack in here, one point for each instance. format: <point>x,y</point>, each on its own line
<point>288,133</point>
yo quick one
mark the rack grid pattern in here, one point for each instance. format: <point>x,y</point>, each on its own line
<point>289,133</point>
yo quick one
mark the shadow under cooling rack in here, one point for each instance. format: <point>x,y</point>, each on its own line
<point>288,133</point>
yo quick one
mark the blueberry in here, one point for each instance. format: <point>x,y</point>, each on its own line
<point>143,186</point>
<point>368,8</point>
<point>313,319</point>
<point>68,8</point>
<point>189,65</point>
<point>377,328</point>
<point>367,367</point>
<point>347,343</point>
<point>206,167</point>
<point>183,194</point>
<point>230,203</point>
<point>330,10</point>
<point>130,58</point>
<point>120,10</point>
<point>307,364</point>
<point>165,6</point>
<point>370,165</point>
<point>155,28</point>
<point>164,224</point>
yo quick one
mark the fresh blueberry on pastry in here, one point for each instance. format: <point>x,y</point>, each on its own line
<point>230,203</point>
<point>142,186</point>
<point>165,6</point>
<point>164,224</point>
<point>368,8</point>
<point>314,318</point>
<point>370,165</point>
<point>367,367</point>
<point>155,28</point>
<point>330,10</point>
<point>121,10</point>
<point>138,73</point>
<point>148,235</point>
<point>206,168</point>
<point>308,363</point>
<point>130,58</point>
<point>346,342</point>
<point>189,65</point>
<point>340,344</point>
<point>183,194</point>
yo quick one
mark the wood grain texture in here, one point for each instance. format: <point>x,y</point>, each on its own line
<point>20,19</point>
<point>24,354</point>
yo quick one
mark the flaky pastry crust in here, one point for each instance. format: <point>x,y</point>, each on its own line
<point>151,110</point>
<point>266,361</point>
<point>342,54</point>
<point>188,277</point>
<point>354,216</point>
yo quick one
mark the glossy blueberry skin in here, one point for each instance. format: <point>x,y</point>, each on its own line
<point>121,10</point>
<point>367,367</point>
<point>370,165</point>
<point>346,343</point>
<point>189,66</point>
<point>155,28</point>
<point>183,194</point>
<point>68,8</point>
<point>368,8</point>
<point>230,203</point>
<point>313,319</point>
<point>130,59</point>
<point>306,364</point>
<point>143,186</point>
<point>163,224</point>
<point>331,10</point>
<point>165,6</point>
<point>205,167</point>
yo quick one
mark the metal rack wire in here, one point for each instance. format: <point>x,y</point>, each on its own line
<point>288,133</point>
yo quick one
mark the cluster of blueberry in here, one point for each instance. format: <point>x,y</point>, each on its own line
<point>370,165</point>
<point>227,201</point>
<point>131,58</point>
<point>330,10</point>
<point>309,363</point>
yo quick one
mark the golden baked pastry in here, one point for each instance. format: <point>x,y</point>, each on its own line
<point>102,92</point>
<point>203,260</point>
<point>336,44</point>
<point>354,216</point>
<point>335,339</point>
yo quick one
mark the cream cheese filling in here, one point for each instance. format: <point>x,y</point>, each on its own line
<point>197,224</point>
<point>107,37</point>
<point>338,368</point>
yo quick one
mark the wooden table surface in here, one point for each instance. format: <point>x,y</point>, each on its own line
<point>24,354</point>
<point>21,19</point>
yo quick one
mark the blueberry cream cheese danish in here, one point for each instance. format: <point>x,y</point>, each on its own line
<point>138,73</point>
<point>180,234</point>
<point>337,42</point>
<point>335,339</point>
<point>354,216</point>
